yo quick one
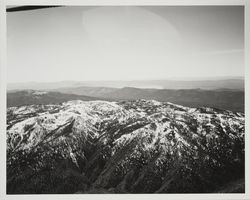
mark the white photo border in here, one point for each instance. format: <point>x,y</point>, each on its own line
<point>3,81</point>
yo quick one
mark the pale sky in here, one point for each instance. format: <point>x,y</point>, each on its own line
<point>125,43</point>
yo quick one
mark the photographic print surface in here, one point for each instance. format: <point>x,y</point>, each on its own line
<point>125,99</point>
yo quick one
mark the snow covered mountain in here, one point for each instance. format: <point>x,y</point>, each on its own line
<point>137,146</point>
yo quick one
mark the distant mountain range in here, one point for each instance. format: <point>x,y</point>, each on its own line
<point>221,98</point>
<point>207,84</point>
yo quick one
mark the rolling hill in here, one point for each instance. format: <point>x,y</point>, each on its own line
<point>30,97</point>
<point>220,98</point>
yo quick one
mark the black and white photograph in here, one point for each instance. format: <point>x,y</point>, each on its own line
<point>125,99</point>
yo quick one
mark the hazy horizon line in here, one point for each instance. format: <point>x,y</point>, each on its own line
<point>160,79</point>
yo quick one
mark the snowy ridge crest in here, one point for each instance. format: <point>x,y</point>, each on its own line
<point>125,135</point>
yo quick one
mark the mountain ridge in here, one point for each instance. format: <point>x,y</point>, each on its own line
<point>137,146</point>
